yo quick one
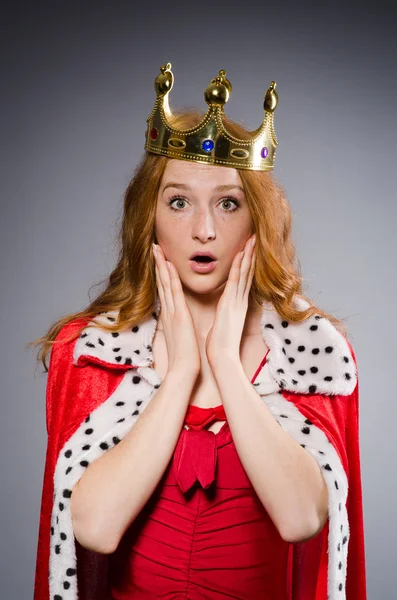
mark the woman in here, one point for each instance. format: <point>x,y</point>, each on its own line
<point>202,418</point>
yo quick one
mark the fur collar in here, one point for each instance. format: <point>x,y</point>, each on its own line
<point>307,358</point>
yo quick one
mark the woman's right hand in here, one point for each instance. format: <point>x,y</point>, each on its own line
<point>182,347</point>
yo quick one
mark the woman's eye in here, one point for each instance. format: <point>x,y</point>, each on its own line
<point>226,201</point>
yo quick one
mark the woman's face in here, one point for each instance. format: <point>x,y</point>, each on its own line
<point>201,208</point>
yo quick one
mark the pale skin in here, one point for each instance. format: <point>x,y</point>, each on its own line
<point>207,346</point>
<point>286,478</point>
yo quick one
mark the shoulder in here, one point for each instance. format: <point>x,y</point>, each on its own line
<point>310,357</point>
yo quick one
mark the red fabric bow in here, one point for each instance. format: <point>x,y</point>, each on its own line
<point>196,451</point>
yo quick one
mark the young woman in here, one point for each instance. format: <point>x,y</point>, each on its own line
<point>202,414</point>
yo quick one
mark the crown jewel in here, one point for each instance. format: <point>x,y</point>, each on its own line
<point>209,142</point>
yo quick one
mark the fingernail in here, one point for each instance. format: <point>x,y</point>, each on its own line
<point>253,241</point>
<point>169,266</point>
<point>154,248</point>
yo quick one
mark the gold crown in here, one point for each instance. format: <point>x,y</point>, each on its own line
<point>209,142</point>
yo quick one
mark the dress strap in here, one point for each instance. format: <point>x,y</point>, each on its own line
<point>198,417</point>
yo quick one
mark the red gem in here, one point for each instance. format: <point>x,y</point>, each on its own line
<point>154,133</point>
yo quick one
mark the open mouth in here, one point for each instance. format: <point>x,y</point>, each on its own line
<point>203,259</point>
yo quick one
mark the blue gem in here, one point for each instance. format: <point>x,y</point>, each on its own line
<point>207,145</point>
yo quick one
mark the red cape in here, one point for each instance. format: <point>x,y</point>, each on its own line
<point>79,383</point>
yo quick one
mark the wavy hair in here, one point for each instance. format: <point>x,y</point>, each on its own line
<point>131,287</point>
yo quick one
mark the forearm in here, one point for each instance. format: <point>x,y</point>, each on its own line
<point>116,486</point>
<point>287,479</point>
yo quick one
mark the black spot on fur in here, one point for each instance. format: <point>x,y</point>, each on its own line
<point>86,447</point>
<point>101,342</point>
<point>294,382</point>
<point>67,493</point>
<point>301,348</point>
<point>103,446</point>
<point>327,466</point>
<point>128,361</point>
<point>136,379</point>
<point>305,430</point>
<point>116,440</point>
<point>313,370</point>
<point>284,351</point>
<point>57,549</point>
<point>84,463</point>
<point>136,412</point>
<point>315,350</point>
<point>346,359</point>
<point>111,319</point>
<point>329,349</point>
<point>90,344</point>
<point>115,334</point>
<point>70,572</point>
<point>137,351</point>
<point>287,341</point>
<point>312,389</point>
<point>63,536</point>
<point>61,506</point>
<point>89,431</point>
<point>269,326</point>
<point>139,402</point>
<point>135,329</point>
<point>68,453</point>
<point>336,485</point>
<point>301,372</point>
<point>328,378</point>
<point>280,371</point>
<point>118,358</point>
<point>68,470</point>
<point>313,327</point>
<point>348,376</point>
<point>66,585</point>
<point>116,349</point>
<point>121,420</point>
<point>87,419</point>
<point>284,323</point>
<point>120,403</point>
<point>291,360</point>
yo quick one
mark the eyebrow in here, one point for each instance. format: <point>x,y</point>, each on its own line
<point>221,188</point>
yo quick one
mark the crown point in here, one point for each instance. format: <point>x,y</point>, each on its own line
<point>218,90</point>
<point>164,81</point>
<point>271,98</point>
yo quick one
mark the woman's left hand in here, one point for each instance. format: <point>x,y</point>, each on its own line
<point>224,337</point>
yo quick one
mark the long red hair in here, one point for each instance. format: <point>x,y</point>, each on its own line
<point>131,287</point>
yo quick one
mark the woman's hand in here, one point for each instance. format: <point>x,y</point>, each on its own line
<point>224,338</point>
<point>180,334</point>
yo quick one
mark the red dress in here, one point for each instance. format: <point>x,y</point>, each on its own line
<point>204,534</point>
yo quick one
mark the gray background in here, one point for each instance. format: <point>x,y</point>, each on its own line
<point>77,87</point>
